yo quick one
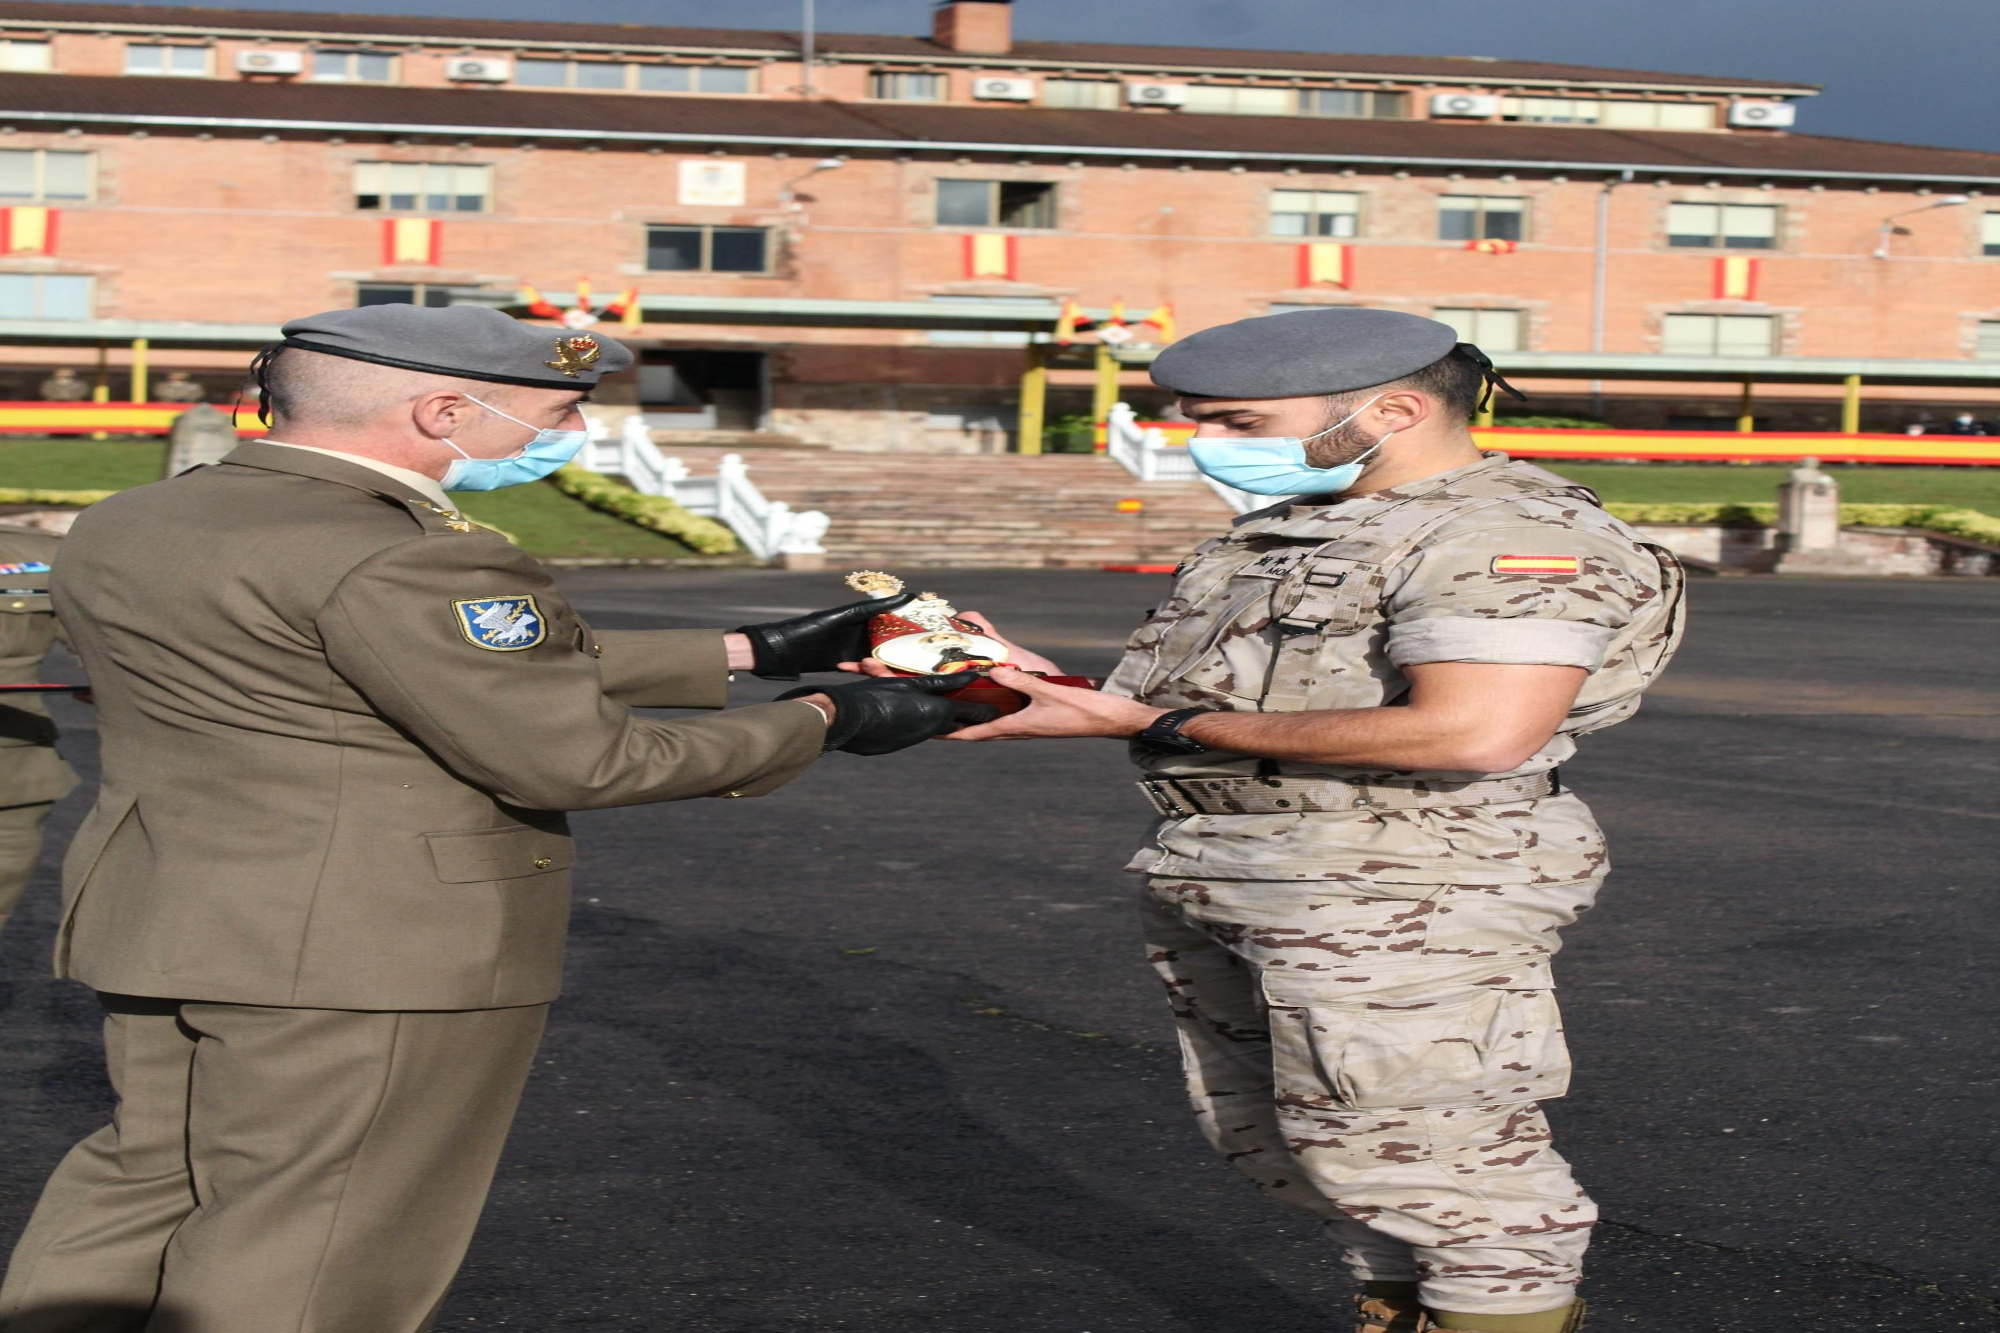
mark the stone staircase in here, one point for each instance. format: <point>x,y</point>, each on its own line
<point>980,510</point>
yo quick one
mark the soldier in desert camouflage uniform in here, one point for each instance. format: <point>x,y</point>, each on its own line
<point>1354,898</point>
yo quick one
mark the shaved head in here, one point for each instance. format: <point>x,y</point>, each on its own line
<point>314,391</point>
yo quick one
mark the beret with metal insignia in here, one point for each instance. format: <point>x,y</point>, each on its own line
<point>1304,352</point>
<point>465,341</point>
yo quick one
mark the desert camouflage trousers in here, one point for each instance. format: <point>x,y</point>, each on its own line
<point>1373,1054</point>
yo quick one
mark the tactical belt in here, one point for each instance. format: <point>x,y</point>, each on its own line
<point>1178,797</point>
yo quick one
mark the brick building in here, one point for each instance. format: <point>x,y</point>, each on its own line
<point>855,242</point>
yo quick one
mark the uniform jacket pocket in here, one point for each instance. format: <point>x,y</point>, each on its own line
<point>482,856</point>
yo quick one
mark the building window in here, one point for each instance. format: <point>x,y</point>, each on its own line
<point>44,173</point>
<point>1352,105</point>
<point>1719,335</point>
<point>1987,348</point>
<point>1613,115</point>
<point>1723,226</point>
<point>24,57</point>
<point>183,61</point>
<point>1231,100</point>
<point>619,77</point>
<point>353,67</point>
<point>1029,205</point>
<point>708,249</point>
<point>1492,330</point>
<point>1081,94</point>
<point>422,187</point>
<point>1989,234</point>
<point>1315,213</point>
<point>44,296</point>
<point>430,294</point>
<point>1473,217</point>
<point>888,86</point>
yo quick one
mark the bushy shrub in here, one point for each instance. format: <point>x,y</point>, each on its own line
<point>654,512</point>
<point>1948,520</point>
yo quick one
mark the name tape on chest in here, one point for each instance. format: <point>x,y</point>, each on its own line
<point>501,624</point>
<point>26,567</point>
<point>1537,564</point>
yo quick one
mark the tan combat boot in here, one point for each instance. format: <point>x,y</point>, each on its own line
<point>1552,1321</point>
<point>1388,1314</point>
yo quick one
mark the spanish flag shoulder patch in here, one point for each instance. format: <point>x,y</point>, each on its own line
<point>1537,564</point>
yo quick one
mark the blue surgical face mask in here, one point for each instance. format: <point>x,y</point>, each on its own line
<point>549,450</point>
<point>1276,464</point>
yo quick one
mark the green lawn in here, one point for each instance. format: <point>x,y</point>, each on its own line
<point>1667,483</point>
<point>541,518</point>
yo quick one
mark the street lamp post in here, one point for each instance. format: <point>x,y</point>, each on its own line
<point>788,193</point>
<point>1889,228</point>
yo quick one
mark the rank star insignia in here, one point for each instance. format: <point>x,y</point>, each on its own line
<point>575,354</point>
<point>500,624</point>
<point>1537,564</point>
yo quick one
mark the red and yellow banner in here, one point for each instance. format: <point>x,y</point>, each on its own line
<point>411,241</point>
<point>39,418</point>
<point>28,231</point>
<point>991,255</point>
<point>1326,264</point>
<point>1736,278</point>
<point>1741,446</point>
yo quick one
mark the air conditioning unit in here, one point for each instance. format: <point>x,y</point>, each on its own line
<point>1762,115</point>
<point>1004,90</point>
<point>478,69</point>
<point>270,62</point>
<point>1471,105</point>
<point>1156,94</point>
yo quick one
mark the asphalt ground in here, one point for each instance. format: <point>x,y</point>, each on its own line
<point>879,1053</point>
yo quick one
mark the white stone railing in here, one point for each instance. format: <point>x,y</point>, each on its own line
<point>1145,452</point>
<point>767,528</point>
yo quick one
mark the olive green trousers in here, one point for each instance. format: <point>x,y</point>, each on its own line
<point>20,851</point>
<point>273,1171</point>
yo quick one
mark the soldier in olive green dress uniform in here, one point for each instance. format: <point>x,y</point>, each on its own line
<point>324,888</point>
<point>1349,712</point>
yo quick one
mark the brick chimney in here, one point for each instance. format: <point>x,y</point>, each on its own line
<point>975,27</point>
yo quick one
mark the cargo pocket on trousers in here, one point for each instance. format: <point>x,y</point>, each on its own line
<point>1463,1044</point>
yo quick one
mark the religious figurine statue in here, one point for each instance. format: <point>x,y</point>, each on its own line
<point>924,637</point>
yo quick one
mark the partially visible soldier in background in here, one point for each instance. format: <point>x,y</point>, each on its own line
<point>33,777</point>
<point>179,387</point>
<point>65,386</point>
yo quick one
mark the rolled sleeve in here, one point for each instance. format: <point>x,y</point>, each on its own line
<point>1506,642</point>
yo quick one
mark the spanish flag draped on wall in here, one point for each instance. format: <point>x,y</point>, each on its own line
<point>990,255</point>
<point>1492,246</point>
<point>411,240</point>
<point>1326,263</point>
<point>28,231</point>
<point>1736,278</point>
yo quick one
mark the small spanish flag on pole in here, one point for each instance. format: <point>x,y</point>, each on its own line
<point>410,240</point>
<point>990,255</point>
<point>1069,322</point>
<point>1162,319</point>
<point>28,231</point>
<point>1326,263</point>
<point>1736,278</point>
<point>1492,246</point>
<point>537,306</point>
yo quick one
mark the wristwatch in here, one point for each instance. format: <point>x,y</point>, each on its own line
<point>1165,732</point>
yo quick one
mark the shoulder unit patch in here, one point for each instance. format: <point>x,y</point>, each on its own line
<point>501,624</point>
<point>1536,564</point>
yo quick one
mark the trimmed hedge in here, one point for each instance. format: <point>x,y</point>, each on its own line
<point>10,496</point>
<point>654,512</point>
<point>1948,520</point>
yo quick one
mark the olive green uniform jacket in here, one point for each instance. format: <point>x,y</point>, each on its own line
<point>326,783</point>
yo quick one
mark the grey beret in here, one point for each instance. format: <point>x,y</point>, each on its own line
<point>467,341</point>
<point>1304,352</point>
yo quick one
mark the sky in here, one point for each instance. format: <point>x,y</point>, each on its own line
<point>1906,71</point>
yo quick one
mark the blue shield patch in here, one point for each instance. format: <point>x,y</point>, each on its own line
<point>501,624</point>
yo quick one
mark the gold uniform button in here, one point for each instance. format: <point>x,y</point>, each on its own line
<point>730,795</point>
<point>544,862</point>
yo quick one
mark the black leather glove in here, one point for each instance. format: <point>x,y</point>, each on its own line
<point>819,641</point>
<point>884,714</point>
